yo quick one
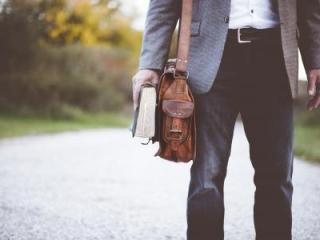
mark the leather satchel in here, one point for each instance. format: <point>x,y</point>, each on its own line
<point>175,111</point>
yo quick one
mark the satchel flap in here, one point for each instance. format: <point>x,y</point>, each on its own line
<point>178,108</point>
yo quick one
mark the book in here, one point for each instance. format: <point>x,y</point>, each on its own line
<point>144,116</point>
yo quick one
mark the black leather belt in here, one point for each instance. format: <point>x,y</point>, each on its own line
<point>249,35</point>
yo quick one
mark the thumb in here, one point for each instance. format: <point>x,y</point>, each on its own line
<point>135,99</point>
<point>136,92</point>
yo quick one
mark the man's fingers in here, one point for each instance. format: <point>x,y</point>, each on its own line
<point>135,100</point>
<point>138,80</point>
<point>135,92</point>
<point>310,104</point>
<point>313,89</point>
<point>137,83</point>
<point>317,101</point>
<point>314,103</point>
<point>312,84</point>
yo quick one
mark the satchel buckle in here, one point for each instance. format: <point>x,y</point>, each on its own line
<point>239,37</point>
<point>180,74</point>
<point>175,136</point>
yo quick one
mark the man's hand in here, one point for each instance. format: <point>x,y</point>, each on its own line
<point>314,89</point>
<point>138,79</point>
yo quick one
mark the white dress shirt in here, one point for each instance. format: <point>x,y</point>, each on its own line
<point>253,13</point>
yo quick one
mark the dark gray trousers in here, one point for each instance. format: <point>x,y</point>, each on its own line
<point>252,81</point>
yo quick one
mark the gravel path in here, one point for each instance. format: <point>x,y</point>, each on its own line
<point>102,184</point>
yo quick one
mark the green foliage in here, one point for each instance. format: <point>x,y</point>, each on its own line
<point>304,117</point>
<point>61,55</point>
<point>69,22</point>
<point>90,78</point>
<point>307,131</point>
<point>306,144</point>
<point>65,22</point>
<point>311,119</point>
<point>18,34</point>
<point>14,125</point>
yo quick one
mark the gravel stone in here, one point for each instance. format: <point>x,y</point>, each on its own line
<point>103,184</point>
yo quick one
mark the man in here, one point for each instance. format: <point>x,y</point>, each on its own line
<point>243,59</point>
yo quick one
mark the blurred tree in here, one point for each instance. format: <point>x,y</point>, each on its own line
<point>87,22</point>
<point>41,69</point>
<point>69,22</point>
<point>19,33</point>
<point>65,22</point>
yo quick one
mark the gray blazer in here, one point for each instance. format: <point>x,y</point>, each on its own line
<point>300,26</point>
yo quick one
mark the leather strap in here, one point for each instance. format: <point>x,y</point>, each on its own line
<point>184,36</point>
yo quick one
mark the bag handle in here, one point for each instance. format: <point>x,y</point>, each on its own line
<point>184,36</point>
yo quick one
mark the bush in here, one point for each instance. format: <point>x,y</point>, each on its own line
<point>309,119</point>
<point>88,78</point>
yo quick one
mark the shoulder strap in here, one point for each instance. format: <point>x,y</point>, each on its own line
<point>184,35</point>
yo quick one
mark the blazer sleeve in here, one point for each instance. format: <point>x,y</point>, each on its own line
<point>162,17</point>
<point>309,32</point>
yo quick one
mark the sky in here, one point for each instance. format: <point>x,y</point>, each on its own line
<point>138,7</point>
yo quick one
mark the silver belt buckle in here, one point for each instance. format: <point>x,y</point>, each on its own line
<point>239,37</point>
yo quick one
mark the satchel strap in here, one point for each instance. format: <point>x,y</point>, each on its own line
<point>184,36</point>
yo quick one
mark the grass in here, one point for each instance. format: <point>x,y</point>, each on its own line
<point>11,125</point>
<point>307,143</point>
<point>307,128</point>
<point>307,136</point>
